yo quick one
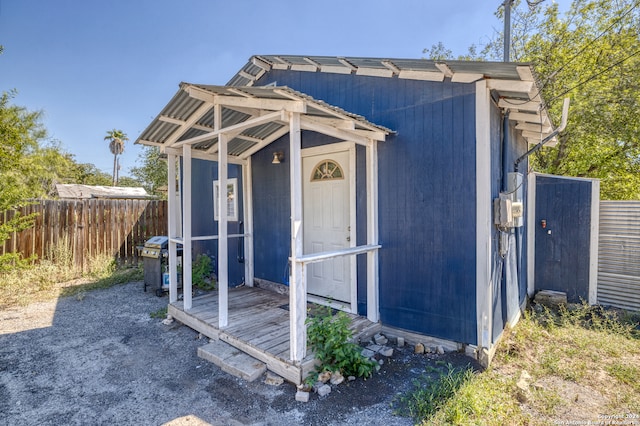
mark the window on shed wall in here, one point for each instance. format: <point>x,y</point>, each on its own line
<point>232,200</point>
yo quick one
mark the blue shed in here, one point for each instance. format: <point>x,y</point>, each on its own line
<point>385,188</point>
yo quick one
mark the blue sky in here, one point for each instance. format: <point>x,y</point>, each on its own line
<point>94,65</point>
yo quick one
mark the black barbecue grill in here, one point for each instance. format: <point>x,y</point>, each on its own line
<point>155,254</point>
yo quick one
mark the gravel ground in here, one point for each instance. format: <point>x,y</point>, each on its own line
<point>99,358</point>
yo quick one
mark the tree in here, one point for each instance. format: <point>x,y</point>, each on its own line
<point>116,139</point>
<point>153,172</point>
<point>89,174</point>
<point>591,54</point>
<point>20,132</point>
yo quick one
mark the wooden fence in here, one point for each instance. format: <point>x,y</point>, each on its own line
<point>92,227</point>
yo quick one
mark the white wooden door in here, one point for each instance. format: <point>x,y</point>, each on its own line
<point>327,226</point>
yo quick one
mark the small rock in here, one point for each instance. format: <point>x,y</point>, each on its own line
<point>316,386</point>
<point>524,375</point>
<point>419,349</point>
<point>336,378</point>
<point>351,378</point>
<point>324,390</point>
<point>302,396</point>
<point>522,385</point>
<point>440,350</point>
<point>200,336</point>
<point>380,339</point>
<point>374,348</point>
<point>381,362</point>
<point>167,321</point>
<point>273,379</point>
<point>400,342</point>
<point>427,350</point>
<point>521,396</point>
<point>367,353</point>
<point>377,367</point>
<point>324,376</point>
<point>304,387</point>
<point>386,351</point>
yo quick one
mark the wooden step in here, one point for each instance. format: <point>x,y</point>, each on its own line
<point>232,360</point>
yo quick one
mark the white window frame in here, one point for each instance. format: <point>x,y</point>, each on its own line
<point>233,215</point>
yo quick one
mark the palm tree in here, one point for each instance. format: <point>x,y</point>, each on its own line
<point>116,139</point>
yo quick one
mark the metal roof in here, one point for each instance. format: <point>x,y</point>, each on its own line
<point>79,191</point>
<point>514,84</point>
<point>189,118</point>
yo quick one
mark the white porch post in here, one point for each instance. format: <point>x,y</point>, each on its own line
<point>297,284</point>
<point>372,231</point>
<point>247,192</point>
<point>172,226</point>
<point>186,226</point>
<point>223,252</point>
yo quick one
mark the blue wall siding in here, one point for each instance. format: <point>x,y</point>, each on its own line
<point>426,197</point>
<point>202,222</point>
<point>509,278</point>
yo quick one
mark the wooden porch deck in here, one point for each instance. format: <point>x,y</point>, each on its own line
<point>258,326</point>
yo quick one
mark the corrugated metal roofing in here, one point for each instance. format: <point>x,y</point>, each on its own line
<point>187,116</point>
<point>190,114</point>
<point>420,69</point>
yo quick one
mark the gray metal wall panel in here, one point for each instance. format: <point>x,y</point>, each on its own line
<point>619,254</point>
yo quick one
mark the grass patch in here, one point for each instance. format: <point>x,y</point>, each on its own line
<point>159,314</point>
<point>583,361</point>
<point>462,396</point>
<point>56,275</point>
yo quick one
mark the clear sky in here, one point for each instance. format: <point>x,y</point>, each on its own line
<point>95,65</point>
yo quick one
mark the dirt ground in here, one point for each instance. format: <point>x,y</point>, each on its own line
<point>99,358</point>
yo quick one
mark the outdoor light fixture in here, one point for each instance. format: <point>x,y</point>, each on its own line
<point>278,157</point>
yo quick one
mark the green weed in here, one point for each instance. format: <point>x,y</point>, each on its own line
<point>329,337</point>
<point>159,314</point>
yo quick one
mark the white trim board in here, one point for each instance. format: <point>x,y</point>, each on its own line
<point>484,299</point>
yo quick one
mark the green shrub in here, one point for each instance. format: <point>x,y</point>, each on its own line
<point>201,271</point>
<point>329,337</point>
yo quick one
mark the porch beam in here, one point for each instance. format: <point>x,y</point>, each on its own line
<point>202,155</point>
<point>236,128</point>
<point>261,103</point>
<point>172,226</point>
<point>186,227</point>
<point>314,126</point>
<point>244,102</point>
<point>247,204</point>
<point>193,119</point>
<point>274,136</point>
<point>297,285</point>
<point>372,231</point>
<point>177,121</point>
<point>223,248</point>
<point>335,122</point>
